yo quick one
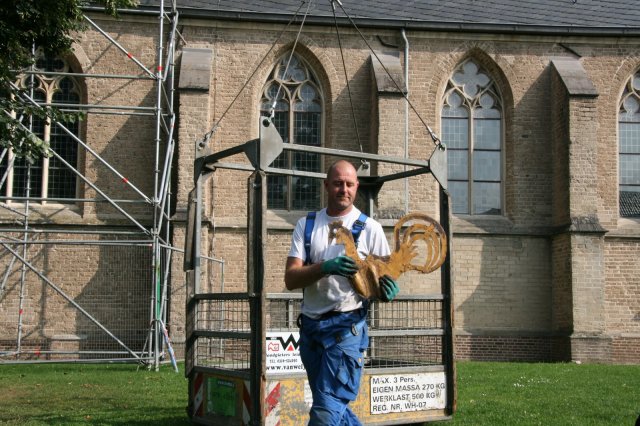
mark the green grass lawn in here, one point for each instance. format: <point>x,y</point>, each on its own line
<point>547,394</point>
<point>488,394</point>
<point>81,394</point>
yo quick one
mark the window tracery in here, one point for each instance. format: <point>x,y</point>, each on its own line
<point>629,148</point>
<point>295,96</point>
<point>472,131</point>
<point>47,177</point>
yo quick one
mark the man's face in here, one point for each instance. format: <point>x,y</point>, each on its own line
<point>341,186</point>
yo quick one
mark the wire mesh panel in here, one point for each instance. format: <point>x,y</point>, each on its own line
<point>223,315</point>
<point>407,332</point>
<point>404,351</point>
<point>222,330</point>
<point>407,314</point>
<point>224,353</point>
<point>75,301</point>
<point>282,313</point>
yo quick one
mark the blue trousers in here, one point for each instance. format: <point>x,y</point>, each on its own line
<point>332,351</point>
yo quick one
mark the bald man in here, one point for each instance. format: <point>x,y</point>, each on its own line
<point>333,329</point>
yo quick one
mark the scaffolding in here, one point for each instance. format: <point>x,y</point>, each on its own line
<point>94,291</point>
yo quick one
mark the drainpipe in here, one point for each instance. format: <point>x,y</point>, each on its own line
<point>406,117</point>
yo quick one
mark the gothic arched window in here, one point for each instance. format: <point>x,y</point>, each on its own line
<point>46,178</point>
<point>472,130</point>
<point>629,149</point>
<point>295,95</point>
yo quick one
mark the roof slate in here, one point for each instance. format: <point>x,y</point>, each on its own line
<point>618,14</point>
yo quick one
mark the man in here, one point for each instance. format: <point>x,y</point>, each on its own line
<point>333,330</point>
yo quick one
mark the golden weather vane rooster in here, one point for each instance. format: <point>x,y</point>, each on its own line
<point>426,229</point>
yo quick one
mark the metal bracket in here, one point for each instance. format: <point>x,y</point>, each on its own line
<point>438,165</point>
<point>260,152</point>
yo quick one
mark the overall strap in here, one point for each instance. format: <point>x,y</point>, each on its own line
<point>308,229</point>
<point>358,226</point>
<point>356,230</point>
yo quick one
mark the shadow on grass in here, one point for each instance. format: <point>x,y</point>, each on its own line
<point>162,417</point>
<point>167,421</point>
<point>164,421</point>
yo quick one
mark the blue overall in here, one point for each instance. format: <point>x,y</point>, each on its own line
<point>332,351</point>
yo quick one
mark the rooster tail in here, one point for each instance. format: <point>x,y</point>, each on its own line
<point>427,230</point>
<point>400,259</point>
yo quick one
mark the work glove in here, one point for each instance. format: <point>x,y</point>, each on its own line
<point>341,265</point>
<point>388,288</point>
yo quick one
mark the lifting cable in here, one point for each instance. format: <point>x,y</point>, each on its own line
<point>215,63</point>
<point>434,137</point>
<point>346,76</point>
<point>205,140</point>
<point>272,112</point>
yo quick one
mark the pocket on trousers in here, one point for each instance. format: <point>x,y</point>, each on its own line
<point>348,374</point>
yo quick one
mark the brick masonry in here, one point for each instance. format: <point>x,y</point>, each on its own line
<point>527,285</point>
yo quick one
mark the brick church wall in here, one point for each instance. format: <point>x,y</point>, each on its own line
<point>511,278</point>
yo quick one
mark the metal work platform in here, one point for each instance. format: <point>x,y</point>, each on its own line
<point>242,348</point>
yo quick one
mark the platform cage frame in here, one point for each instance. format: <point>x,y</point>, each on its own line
<point>131,328</point>
<point>226,333</point>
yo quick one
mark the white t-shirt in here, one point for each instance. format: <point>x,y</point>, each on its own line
<point>334,292</point>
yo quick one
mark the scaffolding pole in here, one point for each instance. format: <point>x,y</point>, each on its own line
<point>156,235</point>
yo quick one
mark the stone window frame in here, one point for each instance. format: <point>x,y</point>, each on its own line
<point>629,126</point>
<point>478,96</point>
<point>51,178</point>
<point>298,93</point>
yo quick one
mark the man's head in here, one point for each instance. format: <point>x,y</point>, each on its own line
<point>341,185</point>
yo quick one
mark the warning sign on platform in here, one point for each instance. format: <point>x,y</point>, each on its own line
<point>283,353</point>
<point>221,396</point>
<point>399,393</point>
